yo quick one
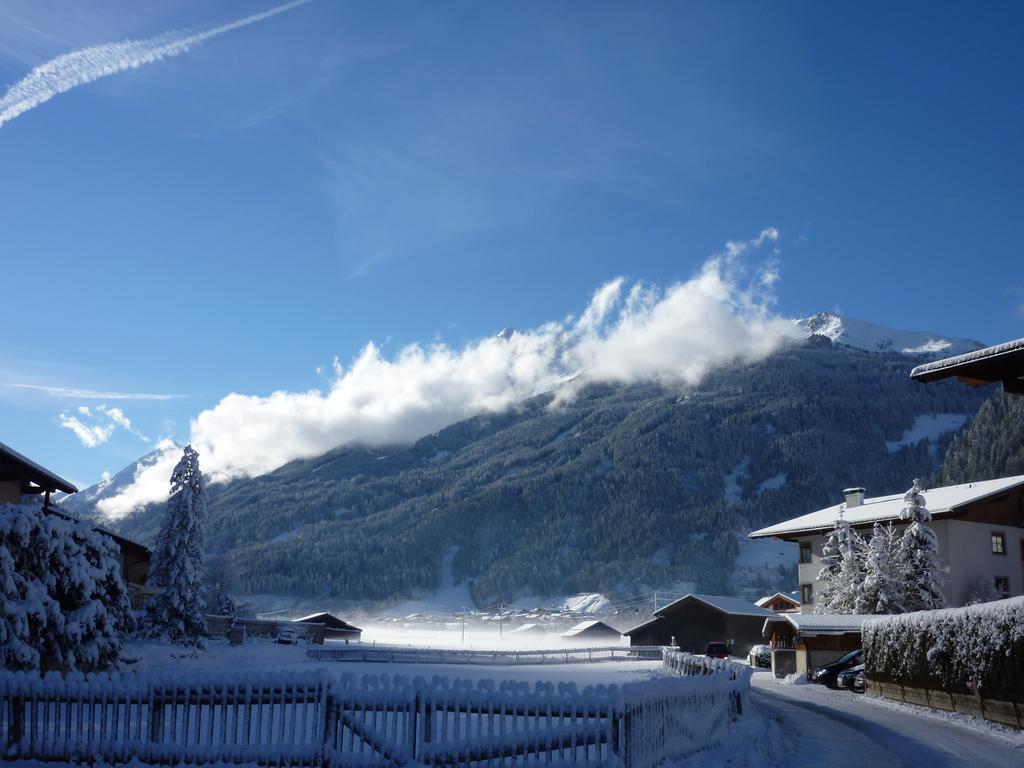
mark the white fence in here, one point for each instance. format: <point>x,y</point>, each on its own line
<point>314,719</point>
<point>398,655</point>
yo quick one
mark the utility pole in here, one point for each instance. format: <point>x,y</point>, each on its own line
<point>655,601</point>
<point>501,620</point>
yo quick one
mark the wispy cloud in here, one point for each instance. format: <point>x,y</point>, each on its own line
<point>72,393</point>
<point>97,425</point>
<point>84,66</point>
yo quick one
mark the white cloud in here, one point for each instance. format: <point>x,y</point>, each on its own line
<point>90,435</point>
<point>65,72</point>
<point>71,393</point>
<point>103,423</point>
<point>673,335</point>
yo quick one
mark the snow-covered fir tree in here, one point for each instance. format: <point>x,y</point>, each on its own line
<point>843,573</point>
<point>176,612</point>
<point>64,604</point>
<point>918,556</point>
<point>883,582</point>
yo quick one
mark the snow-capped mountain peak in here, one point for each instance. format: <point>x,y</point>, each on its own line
<point>861,334</point>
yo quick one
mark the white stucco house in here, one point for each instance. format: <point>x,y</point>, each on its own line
<point>980,527</point>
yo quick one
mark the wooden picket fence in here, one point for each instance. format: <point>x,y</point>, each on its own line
<point>362,652</point>
<point>313,719</point>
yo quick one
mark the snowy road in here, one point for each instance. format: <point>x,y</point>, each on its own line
<point>813,725</point>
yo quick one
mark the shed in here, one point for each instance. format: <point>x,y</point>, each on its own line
<point>529,629</point>
<point>592,630</point>
<point>801,642</point>
<point>334,628</point>
<point>693,621</point>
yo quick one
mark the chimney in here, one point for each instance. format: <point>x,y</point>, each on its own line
<point>854,497</point>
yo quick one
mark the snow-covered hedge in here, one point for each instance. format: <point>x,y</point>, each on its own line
<point>954,649</point>
<point>63,604</point>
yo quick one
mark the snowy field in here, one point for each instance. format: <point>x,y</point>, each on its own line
<point>218,656</point>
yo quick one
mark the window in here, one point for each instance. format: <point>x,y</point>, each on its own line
<point>998,543</point>
<point>806,593</point>
<point>1002,585</point>
<point>805,551</point>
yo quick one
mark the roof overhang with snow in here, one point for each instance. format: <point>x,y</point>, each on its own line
<point>1002,363</point>
<point>815,624</point>
<point>22,468</point>
<point>941,502</point>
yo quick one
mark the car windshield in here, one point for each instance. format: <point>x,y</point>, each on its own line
<point>716,648</point>
<point>850,656</point>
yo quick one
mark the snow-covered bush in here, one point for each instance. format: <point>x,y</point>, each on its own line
<point>64,605</point>
<point>955,649</point>
<point>176,611</point>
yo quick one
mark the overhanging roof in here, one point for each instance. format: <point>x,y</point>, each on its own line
<point>880,509</point>
<point>31,471</point>
<point>736,606</point>
<point>811,624</point>
<point>1001,363</point>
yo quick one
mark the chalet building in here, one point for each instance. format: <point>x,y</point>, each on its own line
<point>801,642</point>
<point>334,628</point>
<point>592,630</point>
<point>980,528</point>
<point>779,602</point>
<point>693,621</point>
<point>20,476</point>
<point>1003,363</point>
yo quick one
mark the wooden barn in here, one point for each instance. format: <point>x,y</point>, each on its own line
<point>780,601</point>
<point>334,628</point>
<point>693,621</point>
<point>592,630</point>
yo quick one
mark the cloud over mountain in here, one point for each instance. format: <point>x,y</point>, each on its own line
<point>628,332</point>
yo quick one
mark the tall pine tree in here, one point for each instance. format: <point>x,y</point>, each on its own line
<point>919,560</point>
<point>883,587</point>
<point>175,613</point>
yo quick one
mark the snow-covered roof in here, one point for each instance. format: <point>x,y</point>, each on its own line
<point>734,605</point>
<point>584,626</point>
<point>982,364</point>
<point>788,598</point>
<point>810,624</point>
<point>41,476</point>
<point>882,508</point>
<point>645,625</point>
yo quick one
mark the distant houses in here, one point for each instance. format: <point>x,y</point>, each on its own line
<point>20,476</point>
<point>693,621</point>
<point>979,527</point>
<point>780,601</point>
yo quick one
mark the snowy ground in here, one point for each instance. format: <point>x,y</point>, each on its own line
<point>812,725</point>
<point>218,656</point>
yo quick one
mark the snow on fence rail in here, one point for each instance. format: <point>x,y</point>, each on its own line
<point>314,719</point>
<point>394,654</point>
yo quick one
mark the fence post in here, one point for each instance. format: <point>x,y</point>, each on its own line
<point>16,725</point>
<point>156,721</point>
<point>331,707</point>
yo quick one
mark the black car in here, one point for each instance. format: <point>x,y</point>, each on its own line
<point>849,678</point>
<point>827,673</point>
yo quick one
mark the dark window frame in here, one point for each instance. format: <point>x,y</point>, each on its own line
<point>998,536</point>
<point>807,594</point>
<point>1002,585</point>
<point>805,546</point>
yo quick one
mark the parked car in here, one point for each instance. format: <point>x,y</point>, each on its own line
<point>860,682</point>
<point>717,650</point>
<point>826,674</point>
<point>287,635</point>
<point>848,677</point>
<point>761,656</point>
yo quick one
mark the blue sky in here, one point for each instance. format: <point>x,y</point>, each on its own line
<point>233,218</point>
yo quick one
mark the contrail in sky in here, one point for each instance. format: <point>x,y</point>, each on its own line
<point>88,64</point>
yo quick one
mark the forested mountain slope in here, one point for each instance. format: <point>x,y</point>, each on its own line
<point>992,446</point>
<point>625,485</point>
